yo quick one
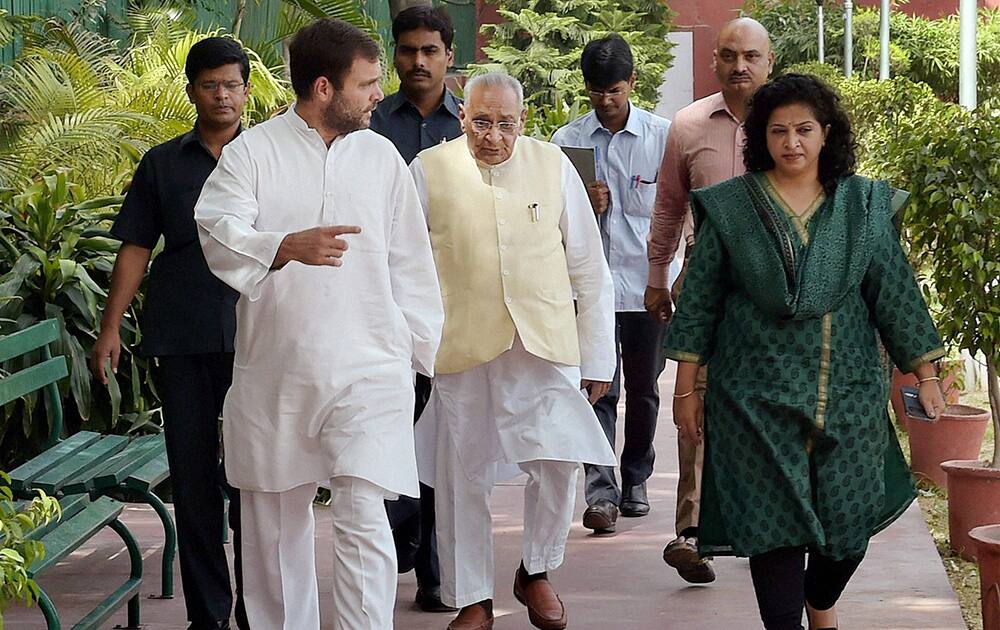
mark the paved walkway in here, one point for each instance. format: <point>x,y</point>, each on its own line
<point>616,582</point>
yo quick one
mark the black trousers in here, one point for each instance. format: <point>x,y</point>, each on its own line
<point>638,338</point>
<point>783,584</point>
<point>412,520</point>
<point>193,389</point>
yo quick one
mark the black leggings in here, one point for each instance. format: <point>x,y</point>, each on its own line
<point>783,584</point>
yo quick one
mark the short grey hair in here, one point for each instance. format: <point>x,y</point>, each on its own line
<point>495,80</point>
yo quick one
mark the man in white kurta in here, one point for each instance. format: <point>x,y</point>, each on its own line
<point>515,242</point>
<point>317,224</point>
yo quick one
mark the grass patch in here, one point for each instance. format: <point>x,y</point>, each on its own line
<point>963,575</point>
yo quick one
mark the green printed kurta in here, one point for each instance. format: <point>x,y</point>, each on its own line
<point>799,446</point>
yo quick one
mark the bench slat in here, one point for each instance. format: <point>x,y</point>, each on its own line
<point>31,338</point>
<point>23,476</point>
<point>150,475</point>
<point>74,531</point>
<point>32,379</point>
<point>79,465</point>
<point>113,471</point>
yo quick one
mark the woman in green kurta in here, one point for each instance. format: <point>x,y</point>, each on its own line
<point>796,275</point>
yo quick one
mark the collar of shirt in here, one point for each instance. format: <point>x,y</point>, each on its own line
<point>720,107</point>
<point>194,136</point>
<point>395,101</point>
<point>633,124</point>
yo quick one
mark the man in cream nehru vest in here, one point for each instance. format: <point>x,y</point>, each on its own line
<point>515,242</point>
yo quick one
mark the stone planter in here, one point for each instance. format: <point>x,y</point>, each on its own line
<point>957,434</point>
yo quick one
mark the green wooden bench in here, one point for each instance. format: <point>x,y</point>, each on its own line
<point>82,519</point>
<point>86,463</point>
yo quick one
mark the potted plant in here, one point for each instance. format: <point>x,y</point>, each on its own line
<point>954,222</point>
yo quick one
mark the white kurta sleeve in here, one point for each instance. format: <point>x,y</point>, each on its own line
<point>236,252</point>
<point>590,278</point>
<point>417,170</point>
<point>412,272</point>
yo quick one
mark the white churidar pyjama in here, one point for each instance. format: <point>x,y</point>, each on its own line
<point>515,408</point>
<point>279,562</point>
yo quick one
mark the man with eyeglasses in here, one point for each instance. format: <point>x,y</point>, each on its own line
<point>628,143</point>
<point>514,241</point>
<point>421,114</point>
<point>188,324</point>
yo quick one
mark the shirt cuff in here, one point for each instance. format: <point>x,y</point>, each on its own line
<point>659,276</point>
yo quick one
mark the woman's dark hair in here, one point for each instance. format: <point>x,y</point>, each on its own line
<point>836,158</point>
<point>430,18</point>
<point>606,61</point>
<point>327,48</point>
<point>215,52</point>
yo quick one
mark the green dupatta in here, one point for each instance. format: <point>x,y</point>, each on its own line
<point>783,280</point>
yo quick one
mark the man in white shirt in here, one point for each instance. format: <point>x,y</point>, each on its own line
<point>514,241</point>
<point>320,231</point>
<point>628,142</point>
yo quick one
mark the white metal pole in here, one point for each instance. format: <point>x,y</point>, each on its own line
<point>967,11</point>
<point>883,38</point>
<point>848,38</point>
<point>819,24</point>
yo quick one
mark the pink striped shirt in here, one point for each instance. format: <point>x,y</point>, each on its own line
<point>704,147</point>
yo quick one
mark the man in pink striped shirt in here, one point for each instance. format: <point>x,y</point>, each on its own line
<point>705,146</point>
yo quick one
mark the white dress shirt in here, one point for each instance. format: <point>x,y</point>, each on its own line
<point>628,162</point>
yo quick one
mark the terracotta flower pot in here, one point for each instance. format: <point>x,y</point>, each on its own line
<point>987,540</point>
<point>957,434</point>
<point>949,385</point>
<point>973,500</point>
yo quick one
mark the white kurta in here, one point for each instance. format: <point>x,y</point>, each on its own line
<point>322,378</point>
<point>537,413</point>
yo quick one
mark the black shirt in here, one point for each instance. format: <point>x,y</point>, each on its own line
<point>399,120</point>
<point>187,310</point>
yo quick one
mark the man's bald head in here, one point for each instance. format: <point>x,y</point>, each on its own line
<point>744,28</point>
<point>742,59</point>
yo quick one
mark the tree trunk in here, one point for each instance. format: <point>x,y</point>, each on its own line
<point>993,384</point>
<point>241,9</point>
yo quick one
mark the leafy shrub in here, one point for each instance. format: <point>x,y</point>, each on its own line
<point>541,41</point>
<point>16,553</point>
<point>72,100</point>
<point>921,49</point>
<point>57,257</point>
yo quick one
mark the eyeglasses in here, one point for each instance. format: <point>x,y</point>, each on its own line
<point>506,127</point>
<point>228,86</point>
<point>615,93</point>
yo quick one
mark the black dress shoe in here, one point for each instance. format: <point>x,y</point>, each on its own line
<point>429,600</point>
<point>601,516</point>
<point>634,502</point>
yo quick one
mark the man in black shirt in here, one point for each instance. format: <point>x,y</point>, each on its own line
<point>188,323</point>
<point>421,114</point>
